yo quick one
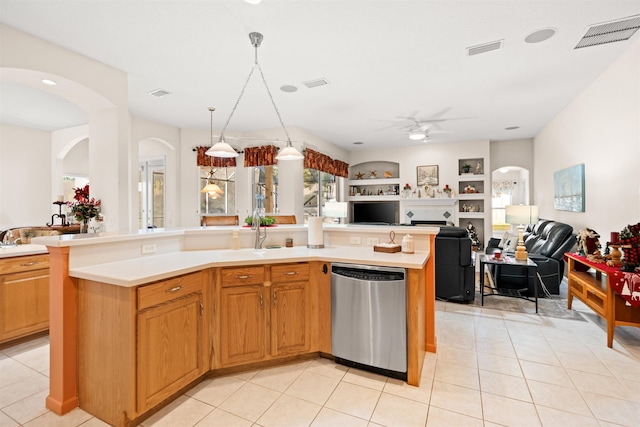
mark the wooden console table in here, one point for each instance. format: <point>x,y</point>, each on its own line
<point>594,289</point>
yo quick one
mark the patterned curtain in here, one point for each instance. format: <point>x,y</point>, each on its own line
<point>216,162</point>
<point>324,163</point>
<point>260,156</point>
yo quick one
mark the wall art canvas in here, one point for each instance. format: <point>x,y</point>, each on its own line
<point>568,189</point>
<point>428,175</point>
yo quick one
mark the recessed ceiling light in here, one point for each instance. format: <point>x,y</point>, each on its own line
<point>49,82</point>
<point>512,128</point>
<point>540,35</point>
<point>358,143</point>
<point>288,88</point>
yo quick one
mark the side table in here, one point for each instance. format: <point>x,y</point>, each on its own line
<point>529,265</point>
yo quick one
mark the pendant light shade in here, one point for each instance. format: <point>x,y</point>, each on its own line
<point>289,153</point>
<point>212,188</point>
<point>221,149</point>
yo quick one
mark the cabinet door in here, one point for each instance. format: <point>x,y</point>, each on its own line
<point>290,318</point>
<point>170,348</point>
<point>242,324</point>
<point>24,303</point>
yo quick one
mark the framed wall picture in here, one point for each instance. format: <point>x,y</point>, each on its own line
<point>568,189</point>
<point>428,175</point>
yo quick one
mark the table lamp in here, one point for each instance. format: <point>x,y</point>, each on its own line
<point>335,209</point>
<point>521,215</point>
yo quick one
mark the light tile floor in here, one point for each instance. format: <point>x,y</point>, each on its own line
<point>492,368</point>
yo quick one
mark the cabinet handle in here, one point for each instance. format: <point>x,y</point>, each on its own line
<point>176,289</point>
<point>27,264</point>
<point>201,308</point>
<point>261,302</point>
<point>246,276</point>
<point>274,299</point>
<point>290,273</point>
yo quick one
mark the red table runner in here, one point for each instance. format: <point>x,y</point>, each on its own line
<point>626,284</point>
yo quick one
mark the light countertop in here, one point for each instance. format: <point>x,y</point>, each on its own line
<point>22,250</point>
<point>149,268</point>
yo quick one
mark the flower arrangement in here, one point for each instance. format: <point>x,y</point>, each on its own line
<point>447,189</point>
<point>407,186</point>
<point>82,207</point>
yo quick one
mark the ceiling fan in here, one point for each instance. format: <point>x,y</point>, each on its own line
<point>421,127</point>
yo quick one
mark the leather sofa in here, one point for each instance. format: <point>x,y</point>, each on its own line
<point>455,273</point>
<point>546,242</point>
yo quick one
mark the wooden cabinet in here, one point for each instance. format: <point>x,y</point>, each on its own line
<point>290,309</point>
<point>24,296</point>
<point>139,346</point>
<point>264,312</point>
<point>170,338</point>
<point>242,324</point>
<point>590,284</point>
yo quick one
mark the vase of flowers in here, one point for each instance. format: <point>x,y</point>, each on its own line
<point>84,208</point>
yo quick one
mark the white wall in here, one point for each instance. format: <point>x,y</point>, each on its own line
<point>98,89</point>
<point>151,139</point>
<point>25,172</point>
<point>600,128</point>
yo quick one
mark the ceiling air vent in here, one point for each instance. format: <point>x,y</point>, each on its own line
<point>484,48</point>
<point>159,93</point>
<point>610,32</point>
<point>315,83</point>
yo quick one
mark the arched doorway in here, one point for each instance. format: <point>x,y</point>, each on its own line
<point>509,186</point>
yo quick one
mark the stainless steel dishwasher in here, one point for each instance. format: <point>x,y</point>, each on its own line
<point>369,318</point>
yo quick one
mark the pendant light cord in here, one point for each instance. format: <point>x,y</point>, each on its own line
<point>233,110</point>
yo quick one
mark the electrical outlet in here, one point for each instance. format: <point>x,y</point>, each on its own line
<point>355,240</point>
<point>148,249</point>
<point>372,241</point>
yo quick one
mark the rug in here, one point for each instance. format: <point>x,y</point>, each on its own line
<point>556,306</point>
<point>550,307</point>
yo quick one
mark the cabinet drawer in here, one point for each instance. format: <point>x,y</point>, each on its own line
<point>242,276</point>
<point>170,289</point>
<point>290,273</point>
<point>24,263</point>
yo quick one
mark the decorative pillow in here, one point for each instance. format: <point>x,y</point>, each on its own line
<point>510,243</point>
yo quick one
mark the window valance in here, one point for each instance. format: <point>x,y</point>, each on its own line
<point>260,156</point>
<point>214,162</point>
<point>324,163</point>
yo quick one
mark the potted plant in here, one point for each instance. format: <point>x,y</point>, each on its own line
<point>466,168</point>
<point>84,208</point>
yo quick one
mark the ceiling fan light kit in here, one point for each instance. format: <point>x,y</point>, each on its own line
<point>221,148</point>
<point>417,134</point>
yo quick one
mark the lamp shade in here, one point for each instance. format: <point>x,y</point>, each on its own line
<point>521,214</point>
<point>335,209</point>
<point>212,188</point>
<point>289,153</point>
<point>221,149</point>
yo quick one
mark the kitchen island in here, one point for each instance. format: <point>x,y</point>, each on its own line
<point>129,331</point>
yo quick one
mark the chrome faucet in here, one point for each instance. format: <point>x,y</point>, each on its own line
<point>256,224</point>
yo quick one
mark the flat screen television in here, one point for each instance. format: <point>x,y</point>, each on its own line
<point>375,212</point>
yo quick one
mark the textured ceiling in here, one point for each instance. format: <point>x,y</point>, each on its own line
<point>383,60</point>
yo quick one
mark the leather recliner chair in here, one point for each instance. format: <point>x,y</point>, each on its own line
<point>455,278</point>
<point>546,242</point>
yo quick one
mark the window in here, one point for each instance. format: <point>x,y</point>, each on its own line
<point>265,189</point>
<point>319,187</point>
<point>218,203</point>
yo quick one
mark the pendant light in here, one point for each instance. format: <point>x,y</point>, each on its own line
<point>222,149</point>
<point>212,188</point>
